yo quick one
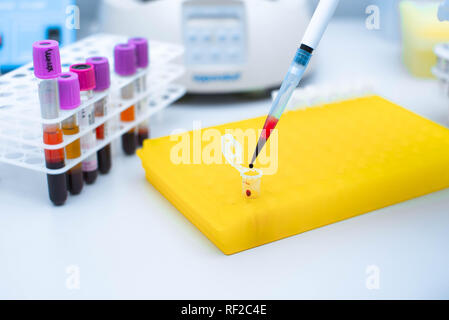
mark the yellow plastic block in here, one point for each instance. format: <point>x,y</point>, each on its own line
<point>335,162</point>
<point>421,31</point>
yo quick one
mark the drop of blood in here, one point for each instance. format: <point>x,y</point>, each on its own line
<point>248,193</point>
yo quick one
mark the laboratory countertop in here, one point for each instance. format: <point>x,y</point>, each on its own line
<point>121,239</point>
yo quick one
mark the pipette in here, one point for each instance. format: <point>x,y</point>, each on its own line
<point>320,19</point>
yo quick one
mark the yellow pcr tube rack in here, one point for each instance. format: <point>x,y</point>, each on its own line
<point>335,161</point>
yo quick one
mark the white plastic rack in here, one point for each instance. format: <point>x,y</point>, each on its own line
<point>21,141</point>
<point>441,69</point>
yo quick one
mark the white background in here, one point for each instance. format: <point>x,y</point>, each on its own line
<point>129,242</point>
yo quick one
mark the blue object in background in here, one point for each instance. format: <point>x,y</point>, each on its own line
<point>443,11</point>
<point>24,21</point>
<point>389,18</point>
<point>348,8</point>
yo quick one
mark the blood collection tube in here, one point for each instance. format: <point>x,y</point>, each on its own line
<point>102,83</point>
<point>86,77</point>
<point>142,62</point>
<point>125,65</point>
<point>69,97</point>
<point>47,66</point>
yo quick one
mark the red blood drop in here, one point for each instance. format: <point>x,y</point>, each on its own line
<point>270,124</point>
<point>248,193</point>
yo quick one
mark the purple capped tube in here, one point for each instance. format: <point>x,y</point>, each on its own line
<point>47,67</point>
<point>142,61</point>
<point>86,77</point>
<point>102,84</point>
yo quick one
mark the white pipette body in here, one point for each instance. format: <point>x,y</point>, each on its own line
<point>314,32</point>
<point>318,24</point>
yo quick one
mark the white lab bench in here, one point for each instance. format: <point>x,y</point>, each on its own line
<point>127,241</point>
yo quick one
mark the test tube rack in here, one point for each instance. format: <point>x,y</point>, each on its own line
<point>318,95</point>
<point>441,69</point>
<point>21,141</point>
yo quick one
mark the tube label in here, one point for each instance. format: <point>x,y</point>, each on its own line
<point>90,164</point>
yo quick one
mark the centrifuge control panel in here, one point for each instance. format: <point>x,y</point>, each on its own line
<point>214,32</point>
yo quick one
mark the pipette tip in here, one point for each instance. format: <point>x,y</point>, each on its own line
<point>259,148</point>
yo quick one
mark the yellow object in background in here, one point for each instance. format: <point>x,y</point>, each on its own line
<point>335,161</point>
<point>421,31</point>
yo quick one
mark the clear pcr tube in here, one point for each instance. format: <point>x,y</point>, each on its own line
<point>251,179</point>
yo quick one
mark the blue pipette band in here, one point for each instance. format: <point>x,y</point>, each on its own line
<point>302,57</point>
